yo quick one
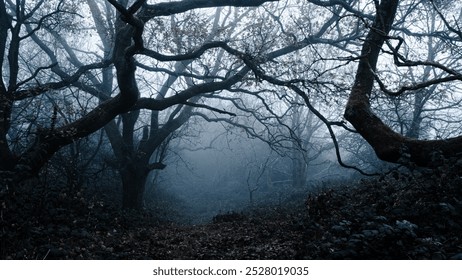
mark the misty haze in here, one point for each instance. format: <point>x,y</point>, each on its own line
<point>259,129</point>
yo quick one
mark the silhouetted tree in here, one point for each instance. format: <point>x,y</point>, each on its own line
<point>23,26</point>
<point>47,51</point>
<point>388,144</point>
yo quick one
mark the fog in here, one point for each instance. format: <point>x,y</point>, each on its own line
<point>225,171</point>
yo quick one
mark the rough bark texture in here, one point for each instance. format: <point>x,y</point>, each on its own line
<point>128,41</point>
<point>49,140</point>
<point>134,175</point>
<point>6,157</point>
<point>389,145</point>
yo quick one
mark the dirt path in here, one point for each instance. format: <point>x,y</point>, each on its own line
<point>391,218</point>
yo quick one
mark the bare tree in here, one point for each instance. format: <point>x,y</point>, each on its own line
<point>22,25</point>
<point>40,61</point>
<point>388,144</point>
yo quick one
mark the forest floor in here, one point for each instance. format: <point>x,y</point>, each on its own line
<point>394,217</point>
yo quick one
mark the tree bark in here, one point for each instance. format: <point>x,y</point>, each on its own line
<point>388,144</point>
<point>133,175</point>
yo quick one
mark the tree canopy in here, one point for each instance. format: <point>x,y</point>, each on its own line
<point>143,69</point>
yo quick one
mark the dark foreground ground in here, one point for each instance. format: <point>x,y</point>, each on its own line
<point>395,217</point>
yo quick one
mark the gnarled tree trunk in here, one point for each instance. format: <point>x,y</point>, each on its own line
<point>388,144</point>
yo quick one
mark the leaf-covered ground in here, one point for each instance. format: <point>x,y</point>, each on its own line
<point>395,217</point>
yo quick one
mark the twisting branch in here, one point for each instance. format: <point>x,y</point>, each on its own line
<point>210,108</point>
<point>195,54</point>
<point>291,84</point>
<point>174,73</point>
<point>417,86</point>
<point>36,72</point>
<point>329,124</point>
<point>402,61</point>
<point>448,25</point>
<point>250,131</point>
<point>128,16</point>
<point>177,7</point>
<point>343,4</point>
<point>388,144</point>
<point>329,128</point>
<point>66,81</point>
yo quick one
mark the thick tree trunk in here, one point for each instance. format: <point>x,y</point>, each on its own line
<point>7,159</point>
<point>133,177</point>
<point>389,145</point>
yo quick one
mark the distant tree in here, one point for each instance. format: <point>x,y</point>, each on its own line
<point>302,47</point>
<point>305,147</point>
<point>25,25</point>
<point>384,21</point>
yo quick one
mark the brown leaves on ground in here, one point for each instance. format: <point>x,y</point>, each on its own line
<point>396,217</point>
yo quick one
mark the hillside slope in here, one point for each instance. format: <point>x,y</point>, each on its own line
<point>395,217</point>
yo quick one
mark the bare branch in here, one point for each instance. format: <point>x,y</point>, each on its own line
<point>203,106</point>
<point>170,8</point>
